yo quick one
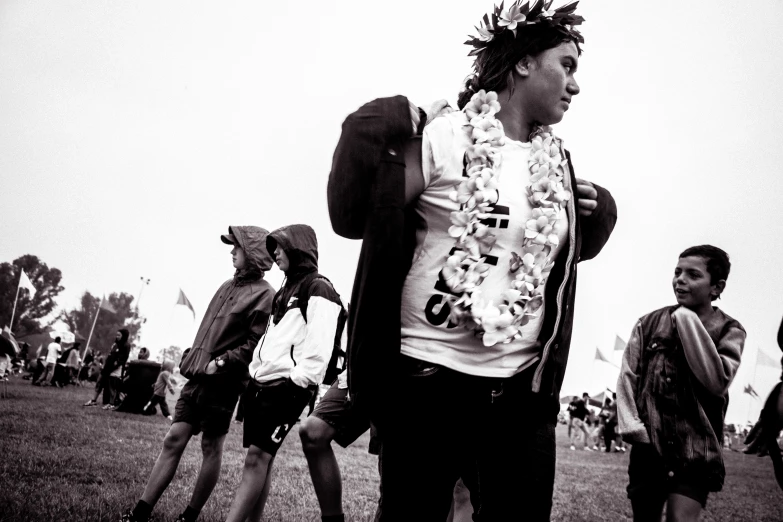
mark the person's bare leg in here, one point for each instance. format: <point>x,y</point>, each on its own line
<point>461,508</point>
<point>680,508</point>
<point>163,471</point>
<point>208,475</point>
<point>254,478</point>
<point>317,436</point>
<point>258,510</point>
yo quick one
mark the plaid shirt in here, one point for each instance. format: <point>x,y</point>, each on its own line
<point>673,389</point>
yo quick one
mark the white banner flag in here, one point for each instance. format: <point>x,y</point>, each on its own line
<point>24,282</point>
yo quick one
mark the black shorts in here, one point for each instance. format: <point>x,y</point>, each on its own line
<point>271,410</point>
<point>649,479</point>
<point>335,410</point>
<point>207,406</point>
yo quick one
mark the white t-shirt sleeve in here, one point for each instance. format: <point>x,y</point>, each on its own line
<point>436,143</point>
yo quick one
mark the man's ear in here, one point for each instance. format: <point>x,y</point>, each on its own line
<point>522,68</point>
<point>720,286</point>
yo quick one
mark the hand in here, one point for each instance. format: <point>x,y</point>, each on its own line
<point>587,197</point>
<point>211,368</point>
<point>437,108</point>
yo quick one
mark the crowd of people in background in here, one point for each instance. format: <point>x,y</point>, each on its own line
<point>58,364</point>
<point>591,430</point>
<point>116,375</point>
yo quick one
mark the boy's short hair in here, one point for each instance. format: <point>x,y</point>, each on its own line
<point>717,261</point>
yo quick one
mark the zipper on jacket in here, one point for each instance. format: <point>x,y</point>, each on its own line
<point>559,301</point>
<point>271,317</point>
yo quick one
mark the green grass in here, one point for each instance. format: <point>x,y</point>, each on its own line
<point>60,461</point>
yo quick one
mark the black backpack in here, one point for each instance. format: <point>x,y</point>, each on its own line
<point>334,367</point>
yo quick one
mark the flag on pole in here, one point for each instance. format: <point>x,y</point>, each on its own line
<point>762,359</point>
<point>619,344</point>
<point>184,301</point>
<point>750,391</point>
<point>24,282</point>
<point>106,305</point>
<point>600,357</point>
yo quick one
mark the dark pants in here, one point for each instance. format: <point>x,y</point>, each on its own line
<point>160,400</point>
<point>111,390</point>
<point>495,434</point>
<point>38,371</point>
<point>609,435</point>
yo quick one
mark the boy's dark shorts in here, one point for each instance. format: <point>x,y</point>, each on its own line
<point>335,410</point>
<point>207,406</point>
<point>648,478</point>
<point>271,410</point>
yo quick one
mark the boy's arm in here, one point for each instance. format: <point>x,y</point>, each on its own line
<point>167,381</point>
<point>713,366</point>
<point>322,316</point>
<point>629,425</point>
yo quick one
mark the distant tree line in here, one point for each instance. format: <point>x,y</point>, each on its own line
<point>35,313</point>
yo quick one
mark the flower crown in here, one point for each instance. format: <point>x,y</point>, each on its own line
<point>521,14</point>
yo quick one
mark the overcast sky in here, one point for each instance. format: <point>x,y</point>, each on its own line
<point>133,133</point>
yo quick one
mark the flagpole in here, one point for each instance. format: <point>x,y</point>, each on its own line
<point>97,312</point>
<point>752,382</point>
<point>11,326</point>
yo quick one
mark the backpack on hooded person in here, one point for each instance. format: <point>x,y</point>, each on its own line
<point>334,367</point>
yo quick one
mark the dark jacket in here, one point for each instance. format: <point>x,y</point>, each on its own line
<point>118,355</point>
<point>366,196</point>
<point>661,400</point>
<point>237,315</point>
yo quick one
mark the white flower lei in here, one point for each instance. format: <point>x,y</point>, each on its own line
<point>465,269</point>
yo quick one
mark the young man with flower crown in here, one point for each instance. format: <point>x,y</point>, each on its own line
<point>462,308</point>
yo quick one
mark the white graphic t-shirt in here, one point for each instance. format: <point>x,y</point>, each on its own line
<point>427,333</point>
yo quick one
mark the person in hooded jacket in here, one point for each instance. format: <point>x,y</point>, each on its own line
<point>111,373</point>
<point>216,366</point>
<point>289,363</point>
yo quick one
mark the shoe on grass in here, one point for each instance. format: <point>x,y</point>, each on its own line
<point>90,403</point>
<point>128,517</point>
<point>573,447</point>
<point>587,448</point>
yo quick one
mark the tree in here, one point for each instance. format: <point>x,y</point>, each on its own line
<point>81,319</point>
<point>172,353</point>
<point>29,311</point>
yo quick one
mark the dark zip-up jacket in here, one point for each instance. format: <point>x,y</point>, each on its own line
<point>366,197</point>
<point>237,315</point>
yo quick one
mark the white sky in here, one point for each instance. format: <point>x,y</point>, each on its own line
<point>134,133</point>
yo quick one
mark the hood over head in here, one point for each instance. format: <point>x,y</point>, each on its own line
<point>124,334</point>
<point>257,260</point>
<point>299,244</point>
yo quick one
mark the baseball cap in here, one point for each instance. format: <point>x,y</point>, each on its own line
<point>229,238</point>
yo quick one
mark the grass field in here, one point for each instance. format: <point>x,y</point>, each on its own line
<point>60,461</point>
